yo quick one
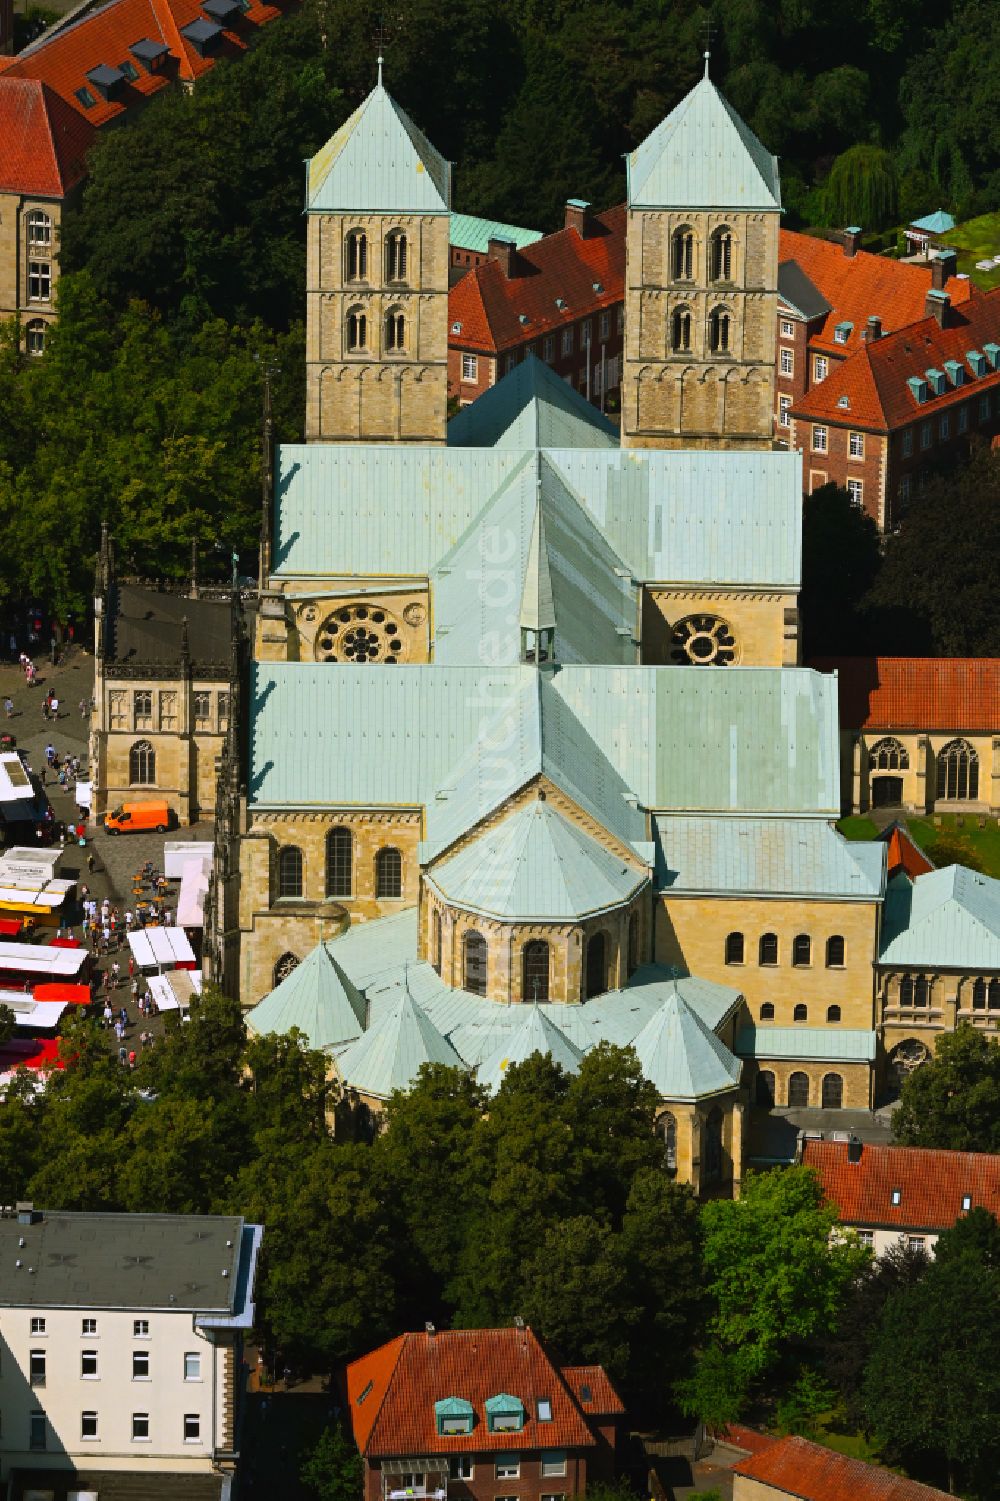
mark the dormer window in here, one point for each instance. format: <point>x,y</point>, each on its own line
<point>204,36</point>
<point>454,1417</point>
<point>504,1414</point>
<point>221,10</point>
<point>918,389</point>
<point>842,332</point>
<point>954,371</point>
<point>992,353</point>
<point>150,54</point>
<point>977,361</point>
<point>106,80</point>
<point>935,380</point>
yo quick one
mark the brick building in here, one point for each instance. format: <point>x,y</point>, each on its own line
<point>560,298</point>
<point>903,404</point>
<point>469,239</point>
<point>795,1467</point>
<point>480,1415</point>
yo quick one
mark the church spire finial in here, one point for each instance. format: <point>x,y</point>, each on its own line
<point>707,55</point>
<point>379,59</point>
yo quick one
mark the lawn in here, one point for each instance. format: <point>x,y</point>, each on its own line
<point>977,240</point>
<point>964,839</point>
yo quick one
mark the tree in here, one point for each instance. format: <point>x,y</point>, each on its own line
<point>846,1350</point>
<point>333,1469</point>
<point>840,562</point>
<point>953,1100</point>
<point>975,1236</point>
<point>8,1022</point>
<point>862,187</point>
<point>610,1109</point>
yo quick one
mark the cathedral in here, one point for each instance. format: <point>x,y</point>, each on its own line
<point>485,798</point>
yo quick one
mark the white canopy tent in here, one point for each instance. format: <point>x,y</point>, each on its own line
<point>173,991</point>
<point>194,889</point>
<point>160,948</point>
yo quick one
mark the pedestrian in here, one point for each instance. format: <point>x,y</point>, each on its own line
<point>54,706</point>
<point>108,1014</point>
<point>122,1056</point>
<point>124,1016</point>
<point>84,709</point>
<point>50,755</point>
<point>90,862</point>
<point>131,1058</point>
<point>8,707</point>
<point>135,994</point>
<point>115,974</point>
<point>129,919</point>
<point>46,705</point>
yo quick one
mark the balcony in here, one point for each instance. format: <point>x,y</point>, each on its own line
<point>415,1480</point>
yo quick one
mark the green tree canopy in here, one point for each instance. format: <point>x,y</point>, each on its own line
<point>333,1469</point>
<point>862,188</point>
<point>953,1100</point>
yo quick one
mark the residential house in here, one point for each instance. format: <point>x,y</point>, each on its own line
<point>795,1467</point>
<point>480,1415</point>
<point>469,241</point>
<point>922,234</point>
<point>902,1195</point>
<point>121,1346</point>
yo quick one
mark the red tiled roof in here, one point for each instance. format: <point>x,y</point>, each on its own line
<point>903,854</point>
<point>105,35</point>
<point>592,1389</point>
<point>873,379</point>
<point>932,1184</point>
<point>800,1468</point>
<point>489,305</point>
<point>739,1437</point>
<point>858,286</point>
<point>43,142</point>
<point>917,693</point>
<point>393,1390</point>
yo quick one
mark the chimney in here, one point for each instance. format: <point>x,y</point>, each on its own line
<point>942,266</point>
<point>872,330</point>
<point>936,306</point>
<point>504,251</point>
<point>851,237</point>
<point>854,1149</point>
<point>578,217</point>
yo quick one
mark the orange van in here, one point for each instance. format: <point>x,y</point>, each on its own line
<point>129,818</point>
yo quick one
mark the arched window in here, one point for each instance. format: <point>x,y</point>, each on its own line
<point>357,330</point>
<point>904,1058</point>
<point>666,1126</point>
<point>765,1089</point>
<point>798,1090</point>
<point>767,1011</point>
<point>597,966</point>
<point>921,991</point>
<point>832,1093</point>
<point>475,966</point>
<point>801,949</point>
<point>994,995</point>
<point>734,948</point>
<point>906,991</point>
<point>535,963</point>
<point>395,331</point>
<point>284,967</point>
<point>290,871</point>
<point>682,258</point>
<point>436,941</point>
<point>633,943</point>
<point>719,325</point>
<point>34,336</point>
<point>833,1013</point>
<point>142,764</point>
<point>768,948</point>
<point>835,952</point>
<point>722,255</point>
<point>395,256</point>
<point>339,862</point>
<point>958,772</point>
<point>39,228</point>
<point>979,995</point>
<point>800,1013</point>
<point>712,1166</point>
<point>356,267</point>
<point>888,755</point>
<point>388,873</point>
<point>680,330</point>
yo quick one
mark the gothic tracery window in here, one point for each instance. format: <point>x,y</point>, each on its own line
<point>958,772</point>
<point>142,764</point>
<point>360,633</point>
<point>702,641</point>
<point>888,754</point>
<point>284,967</point>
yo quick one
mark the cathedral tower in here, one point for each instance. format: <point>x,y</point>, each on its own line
<point>378,197</point>
<point>701,280</point>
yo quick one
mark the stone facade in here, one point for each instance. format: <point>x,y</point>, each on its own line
<point>376,328</point>
<point>29,263</point>
<point>904,770</point>
<point>691,1155</point>
<point>771,1081</point>
<point>683,626</point>
<point>362,624</point>
<point>699,346</point>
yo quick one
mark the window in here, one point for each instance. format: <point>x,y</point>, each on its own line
<point>140,1427</point>
<point>921,991</point>
<point>544,1408</point>
<point>784,407</point>
<point>388,873</point>
<point>88,1326</point>
<point>821,367</point>
<point>553,1462</point>
<point>925,435</point>
<point>905,486</point>
<point>719,330</point>
<point>767,1011</point>
<point>712,1160</point>
<point>140,1365</point>
<point>357,331</point>
<point>800,1012</point>
<point>476,962</point>
<point>722,255</point>
<point>140,1328</point>
<point>787,359</point>
<point>867,1238</point>
<point>395,331</point>
<point>470,367</point>
<point>832,1092</point>
<point>586,330</point>
<point>856,492</point>
<point>36,1367</point>
<point>88,1365</point>
<point>896,1197</point>
<point>395,256</point>
<point>888,754</point>
<point>958,771</point>
<point>129,71</point>
<point>597,966</point>
<point>36,1431</point>
<point>787,329</point>
<point>39,281</point>
<point>34,336</point>
<point>549,348</point>
<point>460,1467</point>
<point>819,440</point>
<point>357,256</point>
<point>223,711</point>
<point>142,708</point>
<point>666,1126</point>
<point>979,995</point>
<point>284,966</point>
<point>536,971</point>
<point>38,1326</point>
<point>915,1242</point>
<point>203,711</point>
<point>765,1089</point>
<point>833,1013</point>
<point>734,948</point>
<point>192,1366</point>
<point>192,1428</point>
<point>906,991</point>
<point>798,1090</point>
<point>508,1467</point>
<point>436,941</point>
<point>290,872</point>
<point>856,445</point>
<point>835,951</point>
<point>567,341</point>
<point>168,710</point>
<point>604,326</point>
<point>984,408</point>
<point>680,336</point>
<point>88,1425</point>
<point>339,862</point>
<point>963,418</point>
<point>944,426</point>
<point>86,98</point>
<point>768,948</point>
<point>966,1202</point>
<point>908,443</point>
<point>39,228</point>
<point>994,995</point>
<point>509,364</point>
<point>801,949</point>
<point>682,257</point>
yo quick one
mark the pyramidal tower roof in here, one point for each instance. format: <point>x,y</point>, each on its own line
<point>682,1056</point>
<point>703,156</point>
<point>378,162</point>
<point>537,1033</point>
<point>390,1053</point>
<point>318,999</point>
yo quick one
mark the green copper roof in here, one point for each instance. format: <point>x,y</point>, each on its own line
<point>536,866</point>
<point>391,1052</point>
<point>538,612</point>
<point>946,919</point>
<point>766,857</point>
<point>537,1033</point>
<point>318,999</point>
<point>682,1056</point>
<point>378,162</point>
<point>703,156</point>
<point>818,1044</point>
<point>469,232</point>
<point>531,407</point>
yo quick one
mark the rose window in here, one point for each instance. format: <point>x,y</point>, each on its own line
<point>359,633</point>
<point>704,640</point>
